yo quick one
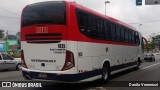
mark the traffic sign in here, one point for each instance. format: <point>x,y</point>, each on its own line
<point>152,2</point>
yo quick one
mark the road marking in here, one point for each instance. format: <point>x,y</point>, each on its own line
<point>120,77</point>
<point>149,66</point>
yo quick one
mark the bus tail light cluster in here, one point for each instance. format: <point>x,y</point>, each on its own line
<point>69,61</point>
<point>44,38</point>
<point>22,60</point>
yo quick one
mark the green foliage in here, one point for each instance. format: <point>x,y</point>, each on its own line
<point>18,42</point>
<point>156,40</point>
<point>1,33</point>
<point>153,44</point>
<point>149,47</point>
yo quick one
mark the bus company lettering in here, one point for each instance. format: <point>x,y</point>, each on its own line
<point>40,60</point>
<point>58,51</point>
<point>41,29</point>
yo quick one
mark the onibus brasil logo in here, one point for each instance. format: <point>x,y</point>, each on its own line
<point>21,84</point>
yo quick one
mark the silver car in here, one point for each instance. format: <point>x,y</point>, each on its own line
<point>7,62</point>
<point>149,57</point>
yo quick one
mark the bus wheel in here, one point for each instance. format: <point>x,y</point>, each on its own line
<point>138,64</point>
<point>105,72</point>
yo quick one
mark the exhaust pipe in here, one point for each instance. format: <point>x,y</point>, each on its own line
<point>27,77</point>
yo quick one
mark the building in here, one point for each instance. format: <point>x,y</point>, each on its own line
<point>13,43</point>
<point>10,44</point>
<point>3,46</point>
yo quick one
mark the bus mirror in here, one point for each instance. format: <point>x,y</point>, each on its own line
<point>145,40</point>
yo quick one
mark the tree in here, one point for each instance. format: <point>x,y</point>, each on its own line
<point>149,46</point>
<point>18,42</point>
<point>156,40</point>
<point>1,33</point>
<point>18,38</point>
<point>153,44</point>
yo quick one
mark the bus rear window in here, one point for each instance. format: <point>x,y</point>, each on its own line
<point>44,13</point>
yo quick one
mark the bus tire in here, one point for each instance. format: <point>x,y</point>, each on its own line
<point>105,72</point>
<point>138,64</point>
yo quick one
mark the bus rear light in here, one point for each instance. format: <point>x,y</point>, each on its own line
<point>44,38</point>
<point>22,60</point>
<point>69,61</point>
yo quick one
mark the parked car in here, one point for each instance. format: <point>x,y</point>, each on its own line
<point>8,62</point>
<point>149,57</point>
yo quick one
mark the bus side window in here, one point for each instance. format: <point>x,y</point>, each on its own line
<point>91,27</point>
<point>107,30</point>
<point>122,35</point>
<point>91,22</point>
<point>113,32</point>
<point>133,39</point>
<point>100,29</point>
<point>137,38</point>
<point>82,20</point>
<point>130,35</point>
<point>126,35</point>
<point>118,33</point>
<point>142,45</point>
<point>83,24</point>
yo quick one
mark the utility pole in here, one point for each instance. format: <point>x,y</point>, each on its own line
<point>105,5</point>
<point>139,27</point>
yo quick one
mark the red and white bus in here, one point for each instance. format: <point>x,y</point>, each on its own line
<point>65,42</point>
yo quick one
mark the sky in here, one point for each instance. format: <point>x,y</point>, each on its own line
<point>124,10</point>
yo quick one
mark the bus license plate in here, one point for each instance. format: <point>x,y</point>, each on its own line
<point>42,75</point>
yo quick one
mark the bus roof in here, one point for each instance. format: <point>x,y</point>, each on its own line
<point>95,13</point>
<point>101,15</point>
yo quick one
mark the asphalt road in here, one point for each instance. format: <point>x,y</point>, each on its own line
<point>149,71</point>
<point>10,75</point>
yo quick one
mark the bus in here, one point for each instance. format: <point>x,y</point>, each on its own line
<point>63,41</point>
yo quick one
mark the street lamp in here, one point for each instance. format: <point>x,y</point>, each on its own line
<point>139,26</point>
<point>105,5</point>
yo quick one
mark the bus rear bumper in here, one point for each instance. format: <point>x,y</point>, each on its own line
<point>49,76</point>
<point>57,77</point>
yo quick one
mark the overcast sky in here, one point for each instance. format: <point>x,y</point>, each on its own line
<point>124,10</point>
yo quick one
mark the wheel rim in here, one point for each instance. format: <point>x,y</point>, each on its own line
<point>19,67</point>
<point>105,73</point>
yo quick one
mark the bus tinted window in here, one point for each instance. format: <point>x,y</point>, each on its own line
<point>137,38</point>
<point>44,13</point>
<point>118,33</point>
<point>126,35</point>
<point>86,26</point>
<point>107,30</point>
<point>100,27</point>
<point>91,22</point>
<point>133,37</point>
<point>122,35</point>
<point>113,32</point>
<point>82,19</point>
<point>130,36</point>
